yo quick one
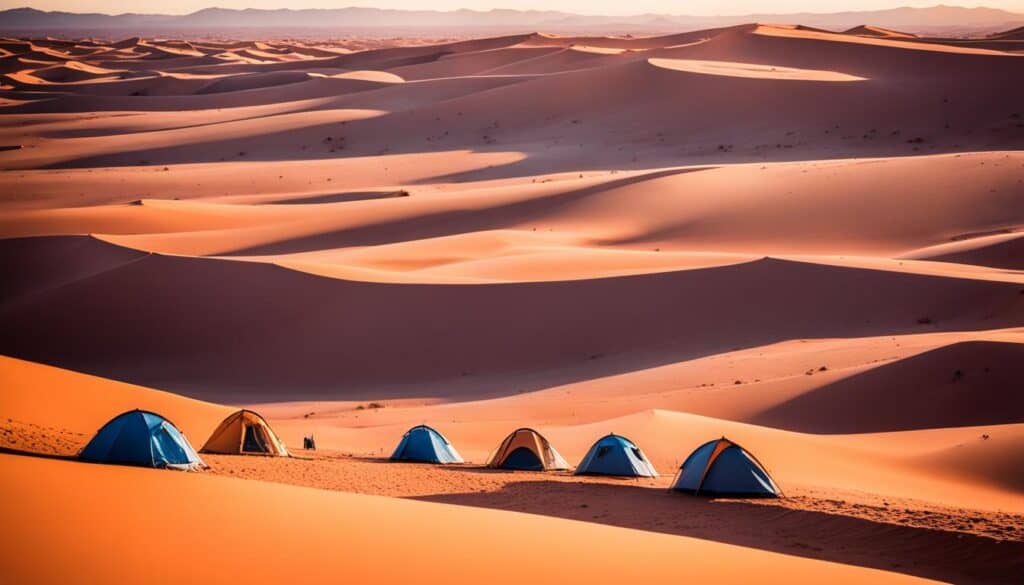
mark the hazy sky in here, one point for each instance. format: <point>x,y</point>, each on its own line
<point>580,6</point>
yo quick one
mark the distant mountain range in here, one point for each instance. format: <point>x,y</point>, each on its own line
<point>936,19</point>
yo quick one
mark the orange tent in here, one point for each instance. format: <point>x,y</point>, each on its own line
<point>245,433</point>
<point>526,449</point>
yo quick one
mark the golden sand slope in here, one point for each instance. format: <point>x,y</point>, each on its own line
<point>266,533</point>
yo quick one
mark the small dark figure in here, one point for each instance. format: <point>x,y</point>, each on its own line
<point>309,443</point>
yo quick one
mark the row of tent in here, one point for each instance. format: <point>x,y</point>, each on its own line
<point>717,468</point>
<point>146,439</point>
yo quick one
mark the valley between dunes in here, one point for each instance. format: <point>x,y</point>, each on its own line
<point>808,242</point>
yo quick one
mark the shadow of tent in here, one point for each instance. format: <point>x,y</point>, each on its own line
<point>765,525</point>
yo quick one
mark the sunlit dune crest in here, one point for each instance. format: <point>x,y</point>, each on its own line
<point>752,71</point>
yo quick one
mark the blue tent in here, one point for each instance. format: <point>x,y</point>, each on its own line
<point>426,445</point>
<point>138,437</point>
<point>721,468</point>
<point>615,455</point>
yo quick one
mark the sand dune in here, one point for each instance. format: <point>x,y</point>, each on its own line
<point>917,470</point>
<point>15,63</point>
<point>750,71</point>
<point>662,210</point>
<point>683,114</point>
<point>968,384</point>
<point>253,81</point>
<point>54,262</point>
<point>999,250</point>
<point>72,71</point>
<point>1016,34</point>
<point>86,404</point>
<point>471,63</point>
<point>807,241</point>
<point>877,31</point>
<point>875,58</point>
<point>546,326</point>
<point>323,523</point>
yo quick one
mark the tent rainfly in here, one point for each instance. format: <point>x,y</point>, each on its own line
<point>141,438</point>
<point>245,433</point>
<point>721,468</point>
<point>615,455</point>
<point>527,450</point>
<point>426,445</point>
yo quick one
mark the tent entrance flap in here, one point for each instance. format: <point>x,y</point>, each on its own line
<point>245,432</point>
<point>255,441</point>
<point>524,459</point>
<point>526,449</point>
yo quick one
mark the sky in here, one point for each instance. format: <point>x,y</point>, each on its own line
<point>722,7</point>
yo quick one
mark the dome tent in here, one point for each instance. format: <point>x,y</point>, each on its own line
<point>142,438</point>
<point>615,455</point>
<point>424,444</point>
<point>527,450</point>
<point>721,468</point>
<point>245,432</point>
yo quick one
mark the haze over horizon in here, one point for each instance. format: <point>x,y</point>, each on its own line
<point>727,8</point>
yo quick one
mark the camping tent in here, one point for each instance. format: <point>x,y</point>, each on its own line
<point>424,444</point>
<point>245,432</point>
<point>526,449</point>
<point>138,437</point>
<point>722,468</point>
<point>615,455</point>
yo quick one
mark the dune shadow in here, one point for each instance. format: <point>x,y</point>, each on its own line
<point>349,335</point>
<point>765,525</point>
<point>444,223</point>
<point>340,197</point>
<point>964,384</point>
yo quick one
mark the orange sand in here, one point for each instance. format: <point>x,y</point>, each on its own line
<point>806,241</point>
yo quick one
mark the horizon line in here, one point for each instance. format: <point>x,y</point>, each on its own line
<point>522,11</point>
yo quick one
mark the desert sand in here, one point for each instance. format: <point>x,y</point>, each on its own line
<point>807,241</point>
